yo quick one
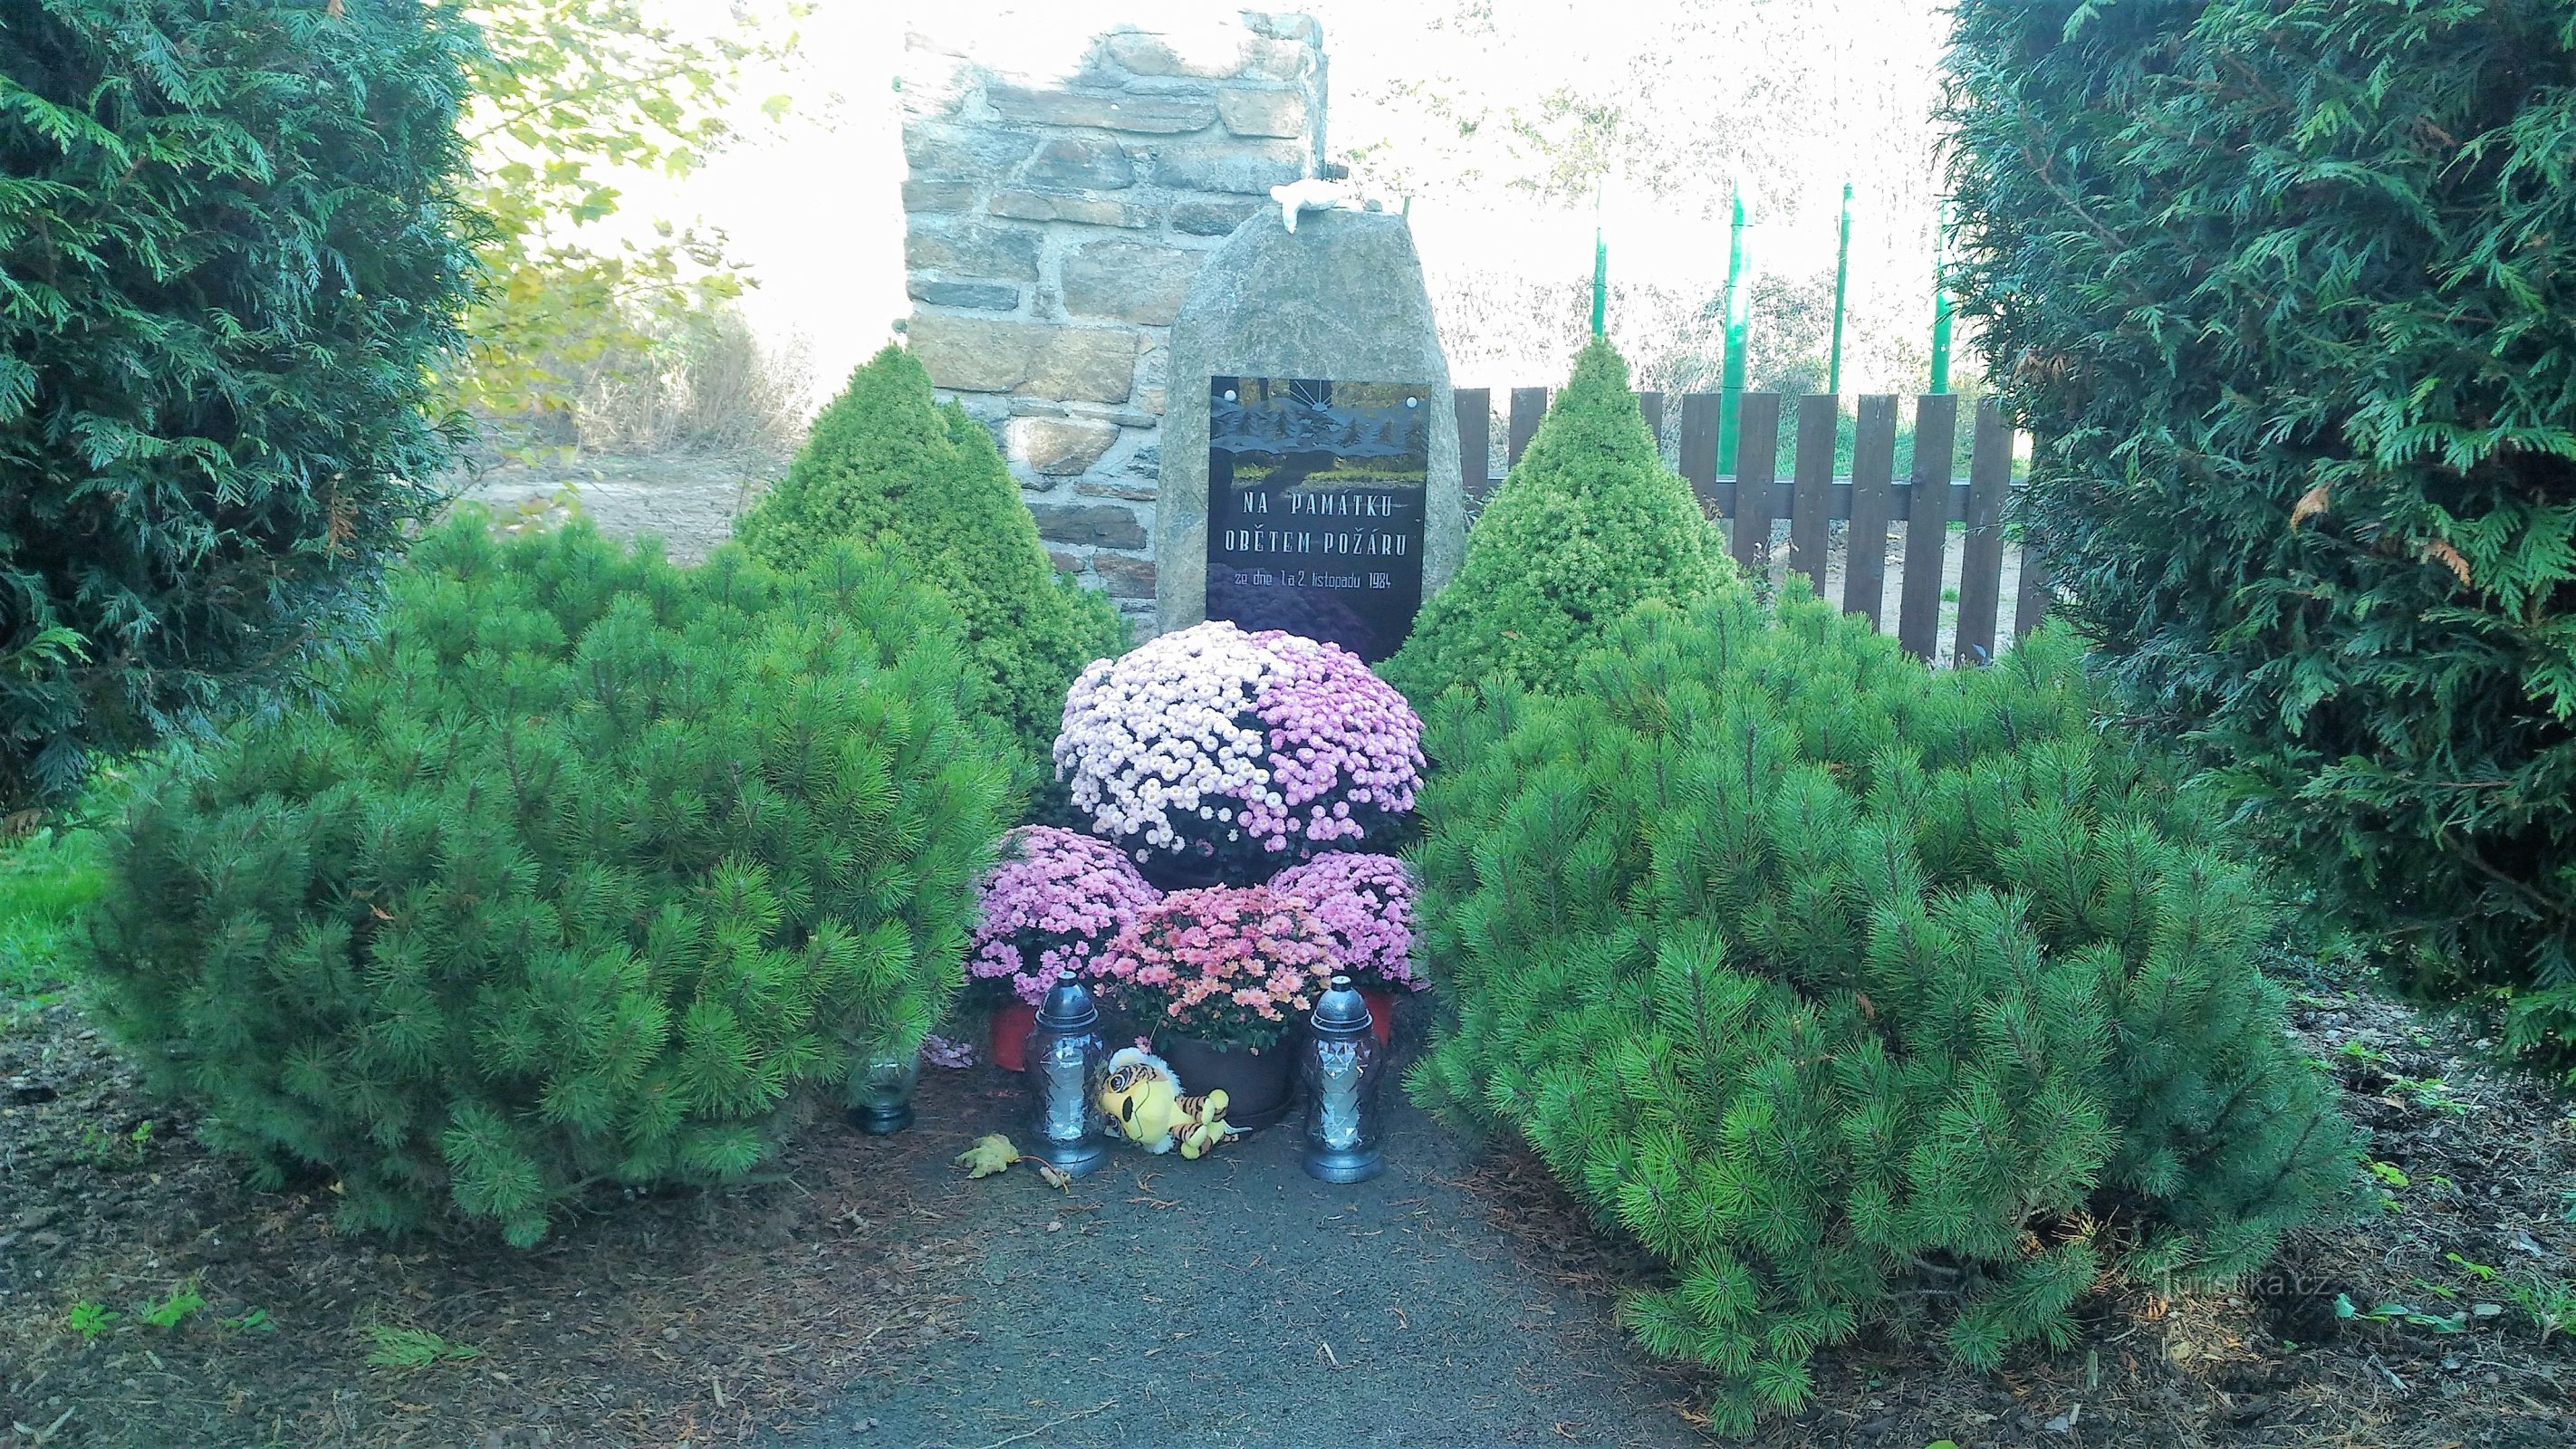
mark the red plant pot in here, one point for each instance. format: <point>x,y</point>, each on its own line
<point>1381,1005</point>
<point>1011,1022</point>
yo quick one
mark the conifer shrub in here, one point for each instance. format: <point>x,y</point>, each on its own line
<point>592,870</point>
<point>1858,994</point>
<point>231,255</point>
<point>2292,284</point>
<point>1589,525</point>
<point>885,463</point>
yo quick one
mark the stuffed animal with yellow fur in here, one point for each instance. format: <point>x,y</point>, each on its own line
<point>1142,1095</point>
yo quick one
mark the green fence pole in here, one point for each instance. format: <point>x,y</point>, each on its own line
<point>1600,280</point>
<point>1842,278</point>
<point>1940,312</point>
<point>1738,313</point>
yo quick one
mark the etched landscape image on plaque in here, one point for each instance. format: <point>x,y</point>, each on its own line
<point>1315,507</point>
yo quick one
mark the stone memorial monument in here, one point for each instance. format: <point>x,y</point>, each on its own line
<point>1310,476</point>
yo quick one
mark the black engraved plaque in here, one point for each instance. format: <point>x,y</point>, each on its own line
<point>1315,507</point>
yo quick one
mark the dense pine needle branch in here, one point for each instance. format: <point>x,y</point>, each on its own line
<point>593,870</point>
<point>229,254</point>
<point>886,462</point>
<point>1858,993</point>
<point>2290,285</point>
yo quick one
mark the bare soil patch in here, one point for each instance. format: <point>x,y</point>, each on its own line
<point>688,1318</point>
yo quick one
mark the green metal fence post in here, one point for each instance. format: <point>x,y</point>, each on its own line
<point>1940,308</point>
<point>1600,271</point>
<point>1842,278</point>
<point>1738,314</point>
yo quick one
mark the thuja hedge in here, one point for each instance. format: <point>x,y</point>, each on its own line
<point>1589,525</point>
<point>2293,285</point>
<point>231,253</point>
<point>1857,993</point>
<point>593,870</point>
<point>886,463</point>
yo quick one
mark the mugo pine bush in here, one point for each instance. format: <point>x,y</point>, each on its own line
<point>587,872</point>
<point>885,463</point>
<point>2293,283</point>
<point>231,253</point>
<point>1858,993</point>
<point>1589,525</point>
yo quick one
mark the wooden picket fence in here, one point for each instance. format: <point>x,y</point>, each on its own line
<point>1808,495</point>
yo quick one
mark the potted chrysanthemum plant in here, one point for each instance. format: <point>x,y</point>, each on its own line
<point>1213,756</point>
<point>1047,911</point>
<point>1365,902</point>
<point>1220,975</point>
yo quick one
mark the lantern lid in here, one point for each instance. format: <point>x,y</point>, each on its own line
<point>1069,1008</point>
<point>1341,1011</point>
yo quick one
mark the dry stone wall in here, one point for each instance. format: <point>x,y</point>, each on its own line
<point>1056,213</point>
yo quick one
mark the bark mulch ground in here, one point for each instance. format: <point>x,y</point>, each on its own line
<point>681,1319</point>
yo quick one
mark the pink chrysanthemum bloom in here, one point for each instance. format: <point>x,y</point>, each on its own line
<point>1049,909</point>
<point>1366,902</point>
<point>1223,964</point>
<point>1212,745</point>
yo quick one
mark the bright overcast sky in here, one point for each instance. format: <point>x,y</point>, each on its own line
<point>813,207</point>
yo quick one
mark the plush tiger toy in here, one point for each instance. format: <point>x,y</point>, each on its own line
<point>1142,1095</point>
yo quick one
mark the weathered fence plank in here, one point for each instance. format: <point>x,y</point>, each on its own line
<point>1757,472</point>
<point>1699,448</point>
<point>1476,443</point>
<point>2031,605</point>
<point>1981,562</point>
<point>1872,501</point>
<point>1927,524</point>
<point>1812,498</point>
<point>1529,404</point>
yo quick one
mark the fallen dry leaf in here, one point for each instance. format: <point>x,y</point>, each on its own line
<point>991,1153</point>
<point>1054,1177</point>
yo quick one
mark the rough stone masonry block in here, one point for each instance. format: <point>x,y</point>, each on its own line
<point>1279,60</point>
<point>1211,216</point>
<point>976,354</point>
<point>1088,210</point>
<point>1263,113</point>
<point>963,153</point>
<point>981,296</point>
<point>1248,168</point>
<point>1006,252</point>
<point>1101,525</point>
<point>1059,447</point>
<point>1092,163</point>
<point>1167,115</point>
<point>1198,57</point>
<point>1128,281</point>
<point>938,195</point>
<point>1124,577</point>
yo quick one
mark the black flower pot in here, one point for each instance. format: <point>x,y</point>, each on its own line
<point>1259,1084</point>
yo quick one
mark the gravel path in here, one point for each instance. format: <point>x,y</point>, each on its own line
<point>1235,1301</point>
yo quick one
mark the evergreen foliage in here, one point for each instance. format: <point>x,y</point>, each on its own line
<point>1858,993</point>
<point>886,463</point>
<point>2292,284</point>
<point>590,870</point>
<point>1589,525</point>
<point>229,254</point>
